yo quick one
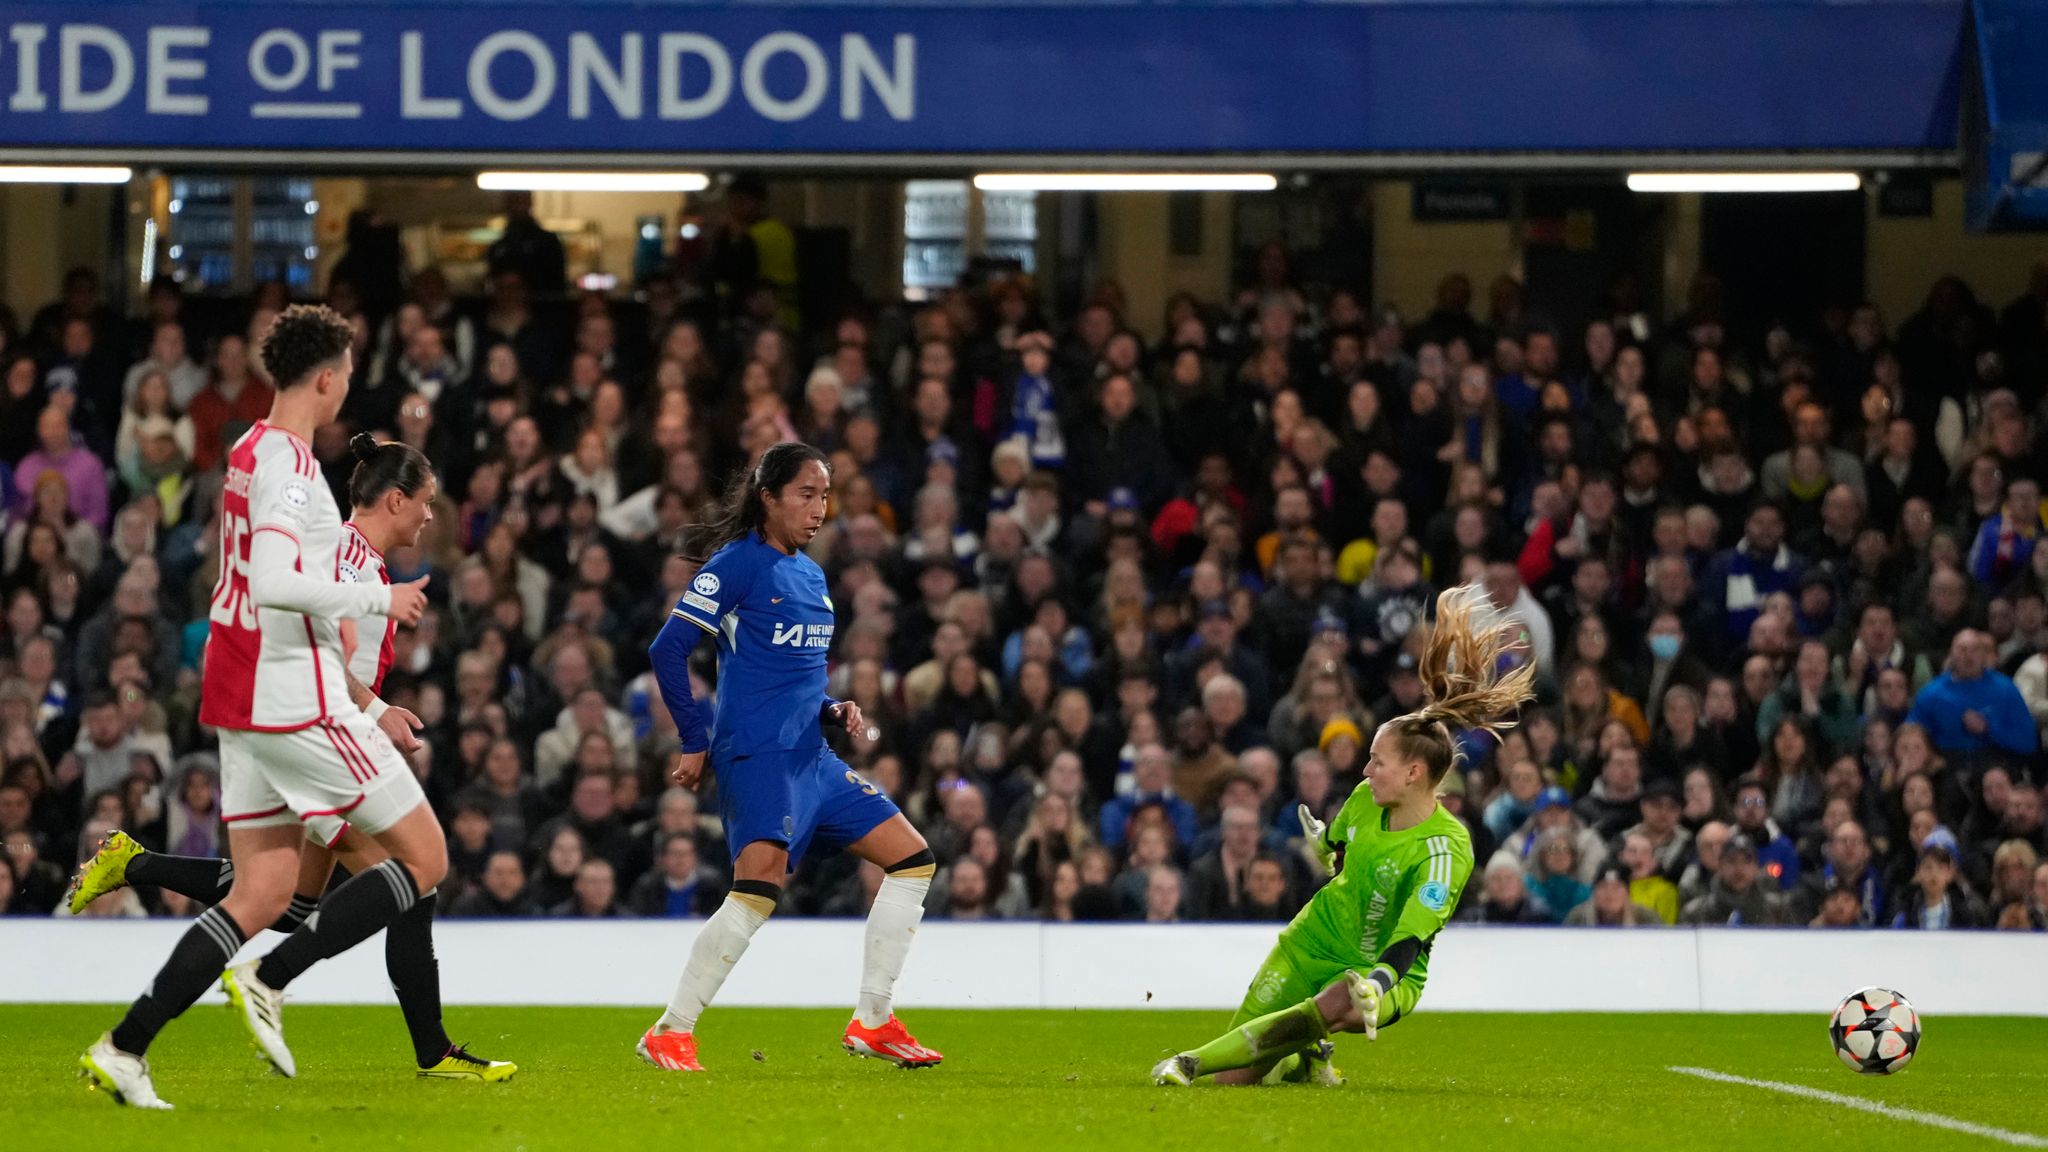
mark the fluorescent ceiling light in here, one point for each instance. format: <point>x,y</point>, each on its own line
<point>1126,182</point>
<point>593,181</point>
<point>57,174</point>
<point>1744,182</point>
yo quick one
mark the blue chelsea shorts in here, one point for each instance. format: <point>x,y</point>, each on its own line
<point>795,799</point>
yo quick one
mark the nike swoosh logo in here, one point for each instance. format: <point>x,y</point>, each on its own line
<point>775,599</point>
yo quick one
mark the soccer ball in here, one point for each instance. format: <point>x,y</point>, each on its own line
<point>1875,1031</point>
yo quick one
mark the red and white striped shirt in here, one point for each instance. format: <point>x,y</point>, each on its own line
<point>357,562</point>
<point>269,670</point>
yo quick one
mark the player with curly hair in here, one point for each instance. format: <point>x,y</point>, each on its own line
<point>294,747</point>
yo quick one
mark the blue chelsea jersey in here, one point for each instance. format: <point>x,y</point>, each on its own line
<point>773,619</point>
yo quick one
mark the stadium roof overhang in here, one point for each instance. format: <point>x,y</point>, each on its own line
<point>953,84</point>
<point>2006,114</point>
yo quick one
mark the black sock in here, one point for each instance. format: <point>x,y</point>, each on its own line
<point>201,878</point>
<point>416,978</point>
<point>348,916</point>
<point>207,880</point>
<point>295,913</point>
<point>195,964</point>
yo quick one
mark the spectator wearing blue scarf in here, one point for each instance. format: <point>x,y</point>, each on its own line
<point>1739,580</point>
<point>678,886</point>
<point>1846,864</point>
<point>1034,405</point>
<point>2006,541</point>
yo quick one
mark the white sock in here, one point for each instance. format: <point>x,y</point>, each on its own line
<point>892,923</point>
<point>718,947</point>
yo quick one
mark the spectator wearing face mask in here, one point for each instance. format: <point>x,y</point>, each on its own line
<point>1672,662</point>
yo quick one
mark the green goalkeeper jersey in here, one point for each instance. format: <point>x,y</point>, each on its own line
<point>1392,885</point>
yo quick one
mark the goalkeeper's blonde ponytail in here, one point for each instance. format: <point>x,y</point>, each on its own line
<point>1462,686</point>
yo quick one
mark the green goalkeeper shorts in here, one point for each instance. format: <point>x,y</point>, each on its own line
<point>1290,976</point>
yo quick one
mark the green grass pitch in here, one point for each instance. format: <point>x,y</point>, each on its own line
<point>1039,1080</point>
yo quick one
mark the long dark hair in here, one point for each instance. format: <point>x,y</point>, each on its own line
<point>739,511</point>
<point>382,467</point>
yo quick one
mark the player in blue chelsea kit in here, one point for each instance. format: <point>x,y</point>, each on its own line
<point>781,789</point>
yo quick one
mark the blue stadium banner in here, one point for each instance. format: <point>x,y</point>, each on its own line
<point>1230,77</point>
<point>2006,126</point>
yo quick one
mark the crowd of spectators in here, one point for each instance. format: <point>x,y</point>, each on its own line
<point>1116,607</point>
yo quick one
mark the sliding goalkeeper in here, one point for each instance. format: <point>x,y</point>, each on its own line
<point>1356,957</point>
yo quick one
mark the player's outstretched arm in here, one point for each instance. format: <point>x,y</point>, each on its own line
<point>1326,842</point>
<point>275,582</point>
<point>1316,833</point>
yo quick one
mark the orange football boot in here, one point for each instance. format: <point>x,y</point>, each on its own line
<point>674,1051</point>
<point>892,1042</point>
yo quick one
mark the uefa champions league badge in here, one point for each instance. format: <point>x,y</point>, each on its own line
<point>700,593</point>
<point>296,495</point>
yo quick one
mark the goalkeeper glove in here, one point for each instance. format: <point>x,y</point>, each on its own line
<point>1314,828</point>
<point>1365,996</point>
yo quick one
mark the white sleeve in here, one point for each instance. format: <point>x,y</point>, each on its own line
<point>2032,681</point>
<point>275,582</point>
<point>1948,431</point>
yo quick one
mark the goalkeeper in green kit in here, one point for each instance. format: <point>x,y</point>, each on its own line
<point>1356,957</point>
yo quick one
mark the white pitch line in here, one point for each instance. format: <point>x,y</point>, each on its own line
<point>1875,1107</point>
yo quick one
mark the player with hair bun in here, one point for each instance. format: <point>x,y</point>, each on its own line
<point>1356,957</point>
<point>391,495</point>
<point>293,745</point>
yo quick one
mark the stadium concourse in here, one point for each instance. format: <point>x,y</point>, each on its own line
<point>1114,608</point>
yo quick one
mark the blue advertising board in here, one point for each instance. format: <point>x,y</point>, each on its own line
<point>869,78</point>
<point>2007,152</point>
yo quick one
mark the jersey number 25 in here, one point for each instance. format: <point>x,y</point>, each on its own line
<point>231,603</point>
